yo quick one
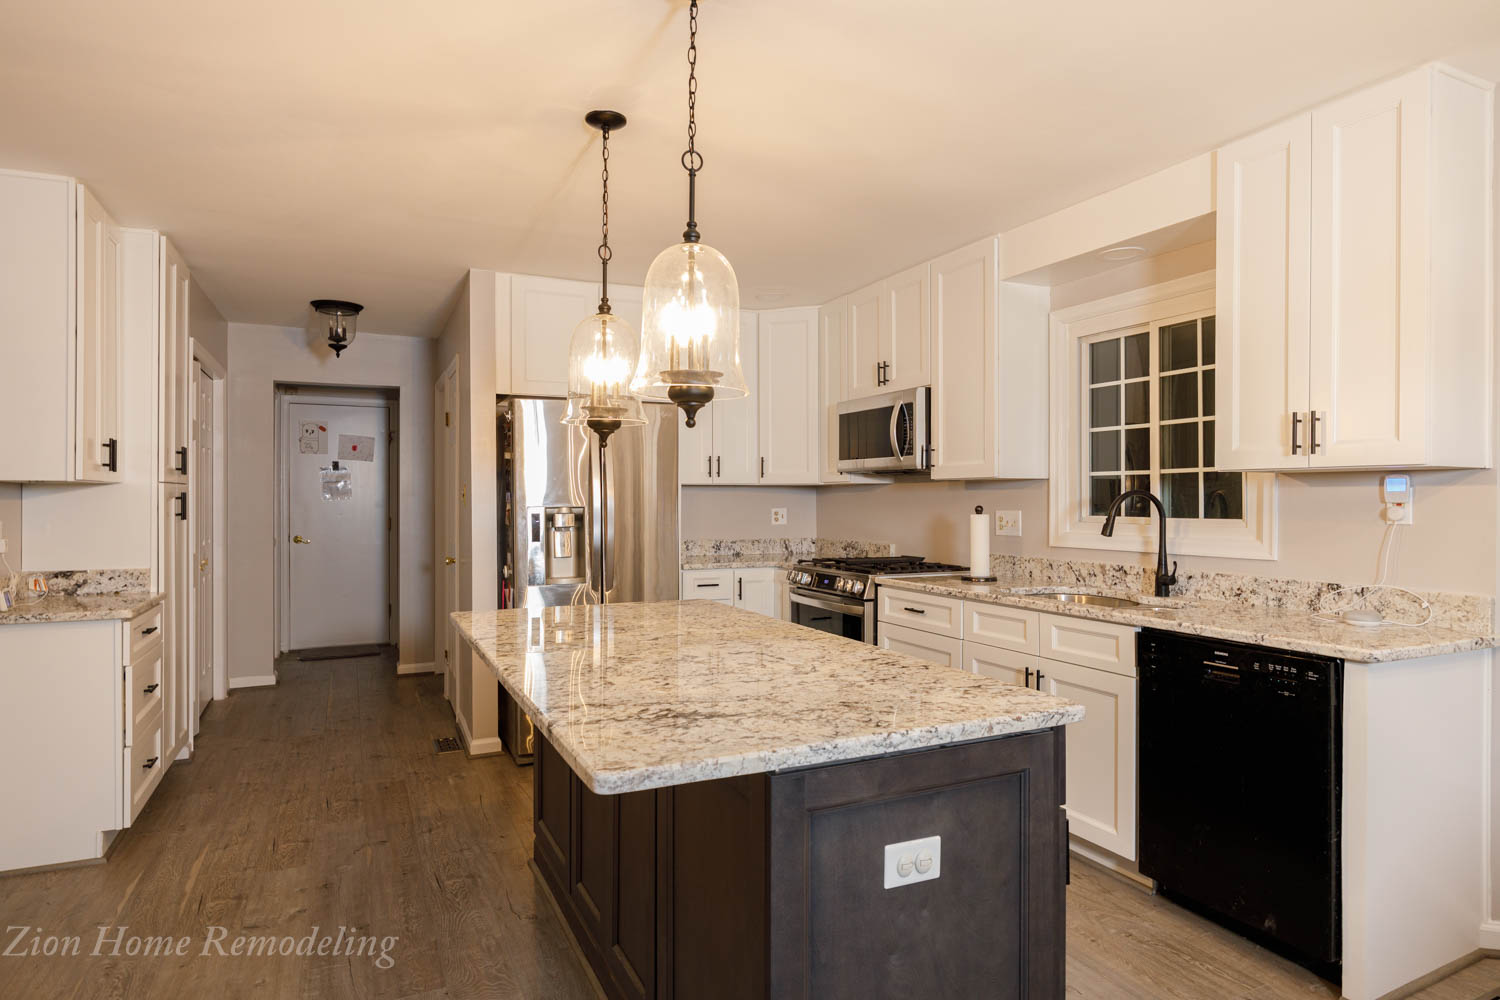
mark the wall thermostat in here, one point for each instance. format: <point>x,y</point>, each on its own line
<point>1396,490</point>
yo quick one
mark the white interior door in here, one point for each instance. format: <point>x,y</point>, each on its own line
<point>203,538</point>
<point>337,458</point>
<point>448,538</point>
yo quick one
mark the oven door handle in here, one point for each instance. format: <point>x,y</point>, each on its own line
<point>827,604</point>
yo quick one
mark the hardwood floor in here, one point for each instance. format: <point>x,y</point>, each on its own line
<point>320,802</point>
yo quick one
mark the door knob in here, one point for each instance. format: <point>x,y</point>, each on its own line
<point>449,560</point>
<point>203,565</point>
<point>298,539</point>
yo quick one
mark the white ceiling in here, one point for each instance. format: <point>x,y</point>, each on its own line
<point>376,149</point>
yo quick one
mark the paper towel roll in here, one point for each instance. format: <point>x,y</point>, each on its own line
<point>979,543</point>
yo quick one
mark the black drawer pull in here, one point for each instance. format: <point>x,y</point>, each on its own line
<point>113,462</point>
<point>182,460</point>
<point>150,763</point>
<point>701,585</point>
<point>1039,676</point>
<point>915,611</point>
<point>181,500</point>
<point>148,631</point>
<point>149,688</point>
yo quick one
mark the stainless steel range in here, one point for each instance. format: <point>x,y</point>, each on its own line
<point>836,595</point>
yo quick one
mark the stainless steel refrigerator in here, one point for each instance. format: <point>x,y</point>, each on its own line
<point>550,538</point>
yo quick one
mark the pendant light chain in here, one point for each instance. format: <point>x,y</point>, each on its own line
<point>605,253</point>
<point>692,160</point>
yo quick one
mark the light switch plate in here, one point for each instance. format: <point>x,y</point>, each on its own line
<point>913,861</point>
<point>1007,522</point>
<point>778,515</point>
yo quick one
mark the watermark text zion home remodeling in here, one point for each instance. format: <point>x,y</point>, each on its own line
<point>117,942</point>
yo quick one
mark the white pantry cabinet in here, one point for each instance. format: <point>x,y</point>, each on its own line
<point>1354,307</point>
<point>61,308</point>
<point>175,362</point>
<point>174,539</point>
<point>787,404</point>
<point>989,369</point>
<point>890,336</point>
<point>724,448</point>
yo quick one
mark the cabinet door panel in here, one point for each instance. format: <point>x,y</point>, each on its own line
<point>787,370</point>
<point>695,448</point>
<point>1262,293</point>
<point>1369,254</point>
<point>923,645</point>
<point>100,290</point>
<point>755,590</point>
<point>544,312</point>
<point>1100,756</point>
<point>736,431</point>
<point>176,363</point>
<point>1002,664</point>
<point>833,322</point>
<point>963,363</point>
<point>905,339</point>
<point>862,359</point>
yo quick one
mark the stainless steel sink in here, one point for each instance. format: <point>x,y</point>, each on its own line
<point>1093,600</point>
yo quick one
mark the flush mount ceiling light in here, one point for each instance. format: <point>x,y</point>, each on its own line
<point>690,352</point>
<point>334,319</point>
<point>1125,251</point>
<point>603,353</point>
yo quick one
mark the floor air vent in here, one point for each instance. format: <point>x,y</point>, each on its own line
<point>446,744</point>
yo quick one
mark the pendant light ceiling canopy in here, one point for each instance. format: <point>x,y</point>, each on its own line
<point>690,352</point>
<point>602,356</point>
<point>334,319</point>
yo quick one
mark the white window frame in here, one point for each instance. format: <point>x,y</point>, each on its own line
<point>1069,524</point>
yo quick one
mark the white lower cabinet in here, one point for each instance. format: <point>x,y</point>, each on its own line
<point>924,645</point>
<point>1006,665</point>
<point>753,589</point>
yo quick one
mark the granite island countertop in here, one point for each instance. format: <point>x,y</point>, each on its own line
<point>81,608</point>
<point>1278,628</point>
<point>638,696</point>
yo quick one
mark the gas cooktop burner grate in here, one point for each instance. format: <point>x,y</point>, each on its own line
<point>878,564</point>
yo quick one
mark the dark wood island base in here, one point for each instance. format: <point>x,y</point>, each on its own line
<point>772,885</point>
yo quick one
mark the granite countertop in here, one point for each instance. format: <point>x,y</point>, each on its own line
<point>1278,628</point>
<point>638,696</point>
<point>749,561</point>
<point>81,608</point>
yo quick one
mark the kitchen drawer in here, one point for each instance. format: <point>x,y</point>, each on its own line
<point>1006,665</point>
<point>145,629</point>
<point>1089,643</point>
<point>144,764</point>
<point>143,691</point>
<point>924,645</point>
<point>1007,628</point>
<point>928,612</point>
<point>708,585</point>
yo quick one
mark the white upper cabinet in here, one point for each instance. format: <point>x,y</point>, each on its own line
<point>1263,311</point>
<point>543,313</point>
<point>790,415</point>
<point>176,363</point>
<point>724,447</point>
<point>833,322</point>
<point>1354,300</point>
<point>989,370</point>
<point>864,374</point>
<point>905,333</point>
<point>61,313</point>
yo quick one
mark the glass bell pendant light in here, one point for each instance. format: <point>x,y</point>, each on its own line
<point>690,353</point>
<point>602,355</point>
<point>334,319</point>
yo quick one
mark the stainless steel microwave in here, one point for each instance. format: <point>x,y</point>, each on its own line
<point>885,433</point>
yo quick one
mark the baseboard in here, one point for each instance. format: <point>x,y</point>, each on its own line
<point>487,747</point>
<point>1489,935</point>
<point>416,668</point>
<point>257,681</point>
<point>1112,863</point>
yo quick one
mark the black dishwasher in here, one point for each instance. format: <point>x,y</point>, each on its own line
<point>1240,764</point>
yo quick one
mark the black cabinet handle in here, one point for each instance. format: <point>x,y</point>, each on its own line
<point>181,499</point>
<point>741,589</point>
<point>710,466</point>
<point>112,463</point>
<point>150,763</point>
<point>1039,676</point>
<point>915,611</point>
<point>182,460</point>
<point>149,688</point>
<point>705,585</point>
<point>719,466</point>
<point>1296,433</point>
<point>148,631</point>
<point>762,466</point>
<point>1028,677</point>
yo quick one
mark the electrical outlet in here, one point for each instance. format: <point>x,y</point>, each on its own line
<point>1007,522</point>
<point>778,515</point>
<point>913,861</point>
<point>36,583</point>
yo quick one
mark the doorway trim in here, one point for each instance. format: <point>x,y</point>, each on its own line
<point>373,395</point>
<point>220,375</point>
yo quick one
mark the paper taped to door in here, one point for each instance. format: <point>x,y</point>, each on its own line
<point>356,448</point>
<point>338,484</point>
<point>314,438</point>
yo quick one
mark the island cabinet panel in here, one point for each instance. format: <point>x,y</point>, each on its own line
<point>771,885</point>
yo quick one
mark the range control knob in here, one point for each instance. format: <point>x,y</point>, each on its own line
<point>857,586</point>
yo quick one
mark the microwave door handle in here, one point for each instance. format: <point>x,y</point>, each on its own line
<point>895,422</point>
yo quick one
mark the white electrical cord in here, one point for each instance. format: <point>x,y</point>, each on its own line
<point>1359,598</point>
<point>13,581</point>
